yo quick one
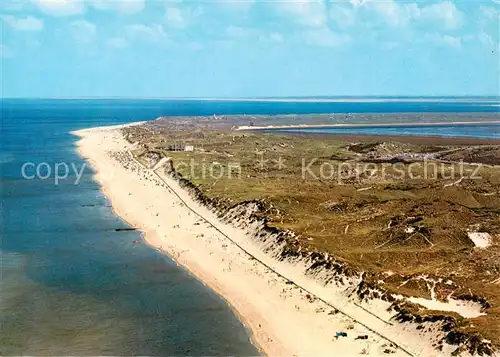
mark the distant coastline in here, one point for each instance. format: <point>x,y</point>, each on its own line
<point>378,125</point>
<point>492,100</point>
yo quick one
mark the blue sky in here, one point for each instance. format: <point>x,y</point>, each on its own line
<point>158,48</point>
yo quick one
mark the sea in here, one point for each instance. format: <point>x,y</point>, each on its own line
<point>71,284</point>
<point>485,131</point>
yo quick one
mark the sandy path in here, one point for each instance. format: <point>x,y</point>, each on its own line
<point>282,319</point>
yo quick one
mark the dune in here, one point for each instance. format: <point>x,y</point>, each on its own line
<point>287,312</point>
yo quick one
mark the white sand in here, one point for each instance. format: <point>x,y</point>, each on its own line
<point>480,239</point>
<point>468,309</point>
<point>283,321</point>
<point>465,308</point>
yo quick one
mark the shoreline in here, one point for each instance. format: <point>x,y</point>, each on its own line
<point>281,318</point>
<point>151,239</point>
<point>349,126</point>
<point>492,100</point>
<point>411,139</point>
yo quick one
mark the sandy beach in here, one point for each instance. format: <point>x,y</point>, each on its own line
<point>285,319</point>
<point>364,125</point>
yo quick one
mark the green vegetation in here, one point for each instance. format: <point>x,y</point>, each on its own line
<point>383,205</point>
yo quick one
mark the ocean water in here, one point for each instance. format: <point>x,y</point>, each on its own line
<point>474,130</point>
<point>69,283</point>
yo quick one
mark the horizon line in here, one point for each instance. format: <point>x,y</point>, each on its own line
<point>255,98</point>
